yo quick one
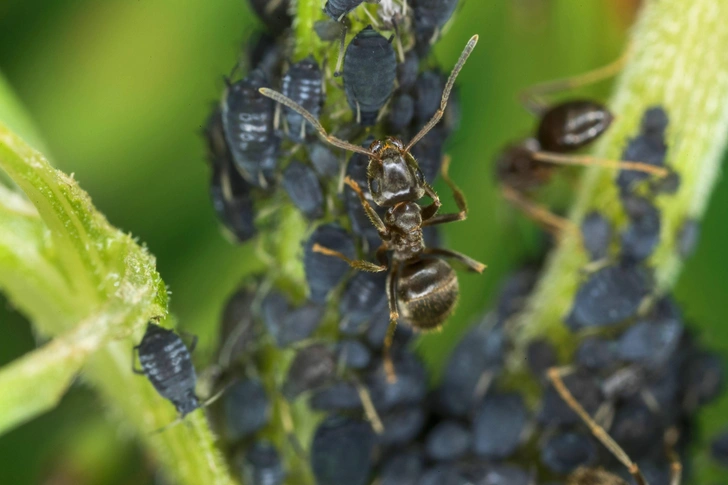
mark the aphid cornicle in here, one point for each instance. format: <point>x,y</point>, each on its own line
<point>302,83</point>
<point>370,67</point>
<point>167,363</point>
<point>420,285</point>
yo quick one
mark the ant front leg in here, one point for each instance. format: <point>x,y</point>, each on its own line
<point>371,213</point>
<point>457,194</point>
<point>354,263</point>
<point>469,262</point>
<point>393,317</point>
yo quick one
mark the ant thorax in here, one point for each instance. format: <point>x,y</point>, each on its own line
<point>404,222</point>
<point>394,176</point>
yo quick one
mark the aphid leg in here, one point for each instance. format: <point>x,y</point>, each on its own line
<point>457,195</point>
<point>531,97</point>
<point>554,375</point>
<point>371,213</point>
<point>331,139</point>
<point>393,317</point>
<point>469,262</point>
<point>587,160</point>
<point>193,340</point>
<point>671,437</point>
<point>134,369</point>
<point>354,263</point>
<point>445,93</point>
<point>558,226</point>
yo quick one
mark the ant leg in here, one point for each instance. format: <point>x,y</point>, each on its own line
<point>429,211</point>
<point>382,255</point>
<point>554,375</point>
<point>587,160</point>
<point>331,139</point>
<point>671,437</point>
<point>369,410</point>
<point>371,213</point>
<point>555,224</point>
<point>354,263</point>
<point>393,317</point>
<point>134,369</point>
<point>471,264</point>
<point>457,195</point>
<point>531,97</point>
<point>445,93</point>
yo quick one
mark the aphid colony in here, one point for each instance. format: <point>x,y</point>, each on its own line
<point>637,376</point>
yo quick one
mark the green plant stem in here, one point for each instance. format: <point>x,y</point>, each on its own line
<point>678,62</point>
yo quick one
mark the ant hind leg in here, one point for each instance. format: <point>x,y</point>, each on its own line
<point>469,262</point>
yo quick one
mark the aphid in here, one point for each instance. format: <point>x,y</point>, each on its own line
<point>635,426</point>
<point>650,343</point>
<point>401,112</point>
<point>342,451</point>
<point>353,354</point>
<point>248,121</point>
<point>273,13</point>
<point>498,425</point>
<point>597,354</point>
<point>303,84</point>
<point>363,297</point>
<point>410,387</point>
<point>336,9</point>
<point>329,30</point>
<point>339,396</point>
<point>324,161</point>
<point>447,440</point>
<point>265,53</point>
<point>247,409</point>
<point>610,295</point>
<point>427,91</point>
<point>324,273</point>
<point>376,334</point>
<point>430,16</point>
<point>370,67</point>
<point>263,465</point>
<point>288,326</point>
<point>498,474</point>
<point>304,189</point>
<point>649,146</point>
<point>515,291</point>
<point>687,239</point>
<point>167,363</point>
<point>540,356</point>
<point>642,234</point>
<point>596,235</point>
<point>565,452</point>
<point>407,70</point>
<point>312,367</point>
<point>404,468</point>
<point>402,425</point>
<point>237,334</point>
<point>598,477</point>
<point>585,388</point>
<point>420,284</point>
<point>443,473</point>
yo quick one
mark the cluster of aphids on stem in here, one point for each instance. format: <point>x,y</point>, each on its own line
<point>638,374</point>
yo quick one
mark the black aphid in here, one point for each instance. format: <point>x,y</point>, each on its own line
<point>609,296</point>
<point>265,53</point>
<point>338,8</point>
<point>401,112</point>
<point>342,452</point>
<point>585,389</point>
<point>263,465</point>
<point>370,67</point>
<point>448,440</point>
<point>565,452</point>
<point>322,272</point>
<point>303,84</point>
<point>247,409</point>
<point>330,30</point>
<point>325,162</point>
<point>304,189</point>
<point>649,146</point>
<point>636,427</point>
<point>167,363</point>
<point>354,354</point>
<point>430,16</point>
<point>237,332</point>
<point>596,235</point>
<point>515,290</point>
<point>540,356</point>
<point>312,367</point>
<point>339,396</point>
<point>363,297</point>
<point>402,425</point>
<point>274,14</point>
<point>288,326</point>
<point>642,234</point>
<point>410,387</point>
<point>650,343</point>
<point>407,71</point>
<point>248,121</point>
<point>404,468</point>
<point>597,354</point>
<point>498,425</point>
<point>496,474</point>
<point>427,93</point>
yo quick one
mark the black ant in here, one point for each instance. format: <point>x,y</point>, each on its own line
<point>562,129</point>
<point>420,285</point>
<point>588,476</point>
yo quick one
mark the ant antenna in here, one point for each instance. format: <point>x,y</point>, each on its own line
<point>445,93</point>
<point>331,139</point>
<point>554,375</point>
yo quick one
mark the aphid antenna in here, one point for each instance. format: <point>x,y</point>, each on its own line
<point>445,93</point>
<point>531,96</point>
<point>331,139</point>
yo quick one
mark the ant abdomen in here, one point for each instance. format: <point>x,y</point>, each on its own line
<point>571,125</point>
<point>427,292</point>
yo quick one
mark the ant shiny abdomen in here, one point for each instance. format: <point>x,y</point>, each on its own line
<point>427,292</point>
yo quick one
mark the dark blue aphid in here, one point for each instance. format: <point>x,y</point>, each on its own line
<point>401,112</point>
<point>312,367</point>
<point>610,295</point>
<point>427,92</point>
<point>302,83</point>
<point>353,354</point>
<point>636,427</point>
<point>585,389</point>
<point>263,465</point>
<point>363,297</point>
<point>339,396</point>
<point>304,189</point>
<point>642,234</point>
<point>540,355</point>
<point>447,441</point>
<point>407,71</point>
<point>288,326</point>
<point>247,409</point>
<point>597,354</point>
<point>342,452</point>
<point>325,162</point>
<point>410,387</point>
<point>338,8</point>
<point>370,67</point>
<point>402,425</point>
<point>498,425</point>
<point>596,235</point>
<point>429,152</point>
<point>430,16</point>
<point>247,118</point>
<point>167,363</point>
<point>274,15</point>
<point>323,273</point>
<point>403,468</point>
<point>266,54</point>
<point>237,329</point>
<point>648,146</point>
<point>565,452</point>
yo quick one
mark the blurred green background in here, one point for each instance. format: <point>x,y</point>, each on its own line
<point>118,91</point>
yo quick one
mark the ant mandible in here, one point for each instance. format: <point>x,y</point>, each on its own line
<point>420,284</point>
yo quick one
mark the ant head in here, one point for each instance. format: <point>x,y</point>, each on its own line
<point>393,174</point>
